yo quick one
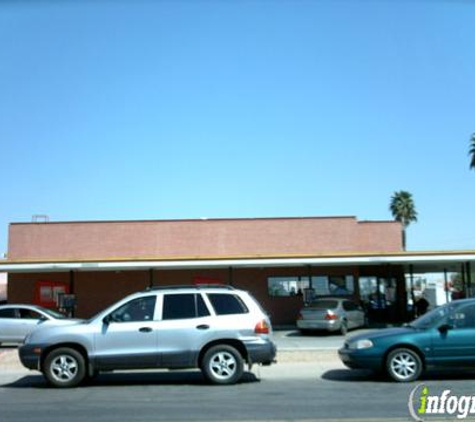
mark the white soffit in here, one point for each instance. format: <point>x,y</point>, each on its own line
<point>406,259</point>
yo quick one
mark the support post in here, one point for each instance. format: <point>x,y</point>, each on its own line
<point>446,285</point>
<point>395,304</point>
<point>413,297</point>
<point>356,285</point>
<point>71,291</point>
<point>464,281</point>
<point>469,279</point>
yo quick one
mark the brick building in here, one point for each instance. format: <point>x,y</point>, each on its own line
<point>280,260</point>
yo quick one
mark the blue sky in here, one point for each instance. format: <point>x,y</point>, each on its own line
<point>189,109</point>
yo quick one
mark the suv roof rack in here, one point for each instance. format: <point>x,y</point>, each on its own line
<point>191,286</point>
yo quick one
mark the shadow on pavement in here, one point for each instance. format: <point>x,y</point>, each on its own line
<point>120,379</point>
<point>352,375</point>
<point>364,375</point>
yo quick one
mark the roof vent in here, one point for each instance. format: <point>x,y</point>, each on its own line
<point>40,218</point>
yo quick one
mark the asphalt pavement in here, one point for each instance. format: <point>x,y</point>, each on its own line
<point>309,383</point>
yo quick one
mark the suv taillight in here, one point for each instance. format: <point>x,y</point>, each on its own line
<point>262,327</point>
<point>330,315</point>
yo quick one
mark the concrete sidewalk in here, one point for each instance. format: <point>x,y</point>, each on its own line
<point>292,340</point>
<point>9,361</point>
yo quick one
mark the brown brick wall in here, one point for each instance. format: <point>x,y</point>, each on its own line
<point>200,238</point>
<point>97,290</point>
<point>21,287</point>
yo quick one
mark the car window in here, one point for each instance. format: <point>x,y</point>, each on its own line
<point>179,306</point>
<point>184,306</point>
<point>433,318</point>
<point>30,314</point>
<point>462,317</point>
<point>227,304</point>
<point>140,309</point>
<point>8,313</point>
<point>349,306</point>
<point>324,304</point>
<point>53,314</point>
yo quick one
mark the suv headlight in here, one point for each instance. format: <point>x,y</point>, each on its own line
<point>361,344</point>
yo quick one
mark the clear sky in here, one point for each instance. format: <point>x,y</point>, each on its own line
<point>187,109</point>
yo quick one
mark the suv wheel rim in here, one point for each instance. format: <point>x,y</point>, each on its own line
<point>64,368</point>
<point>223,365</point>
<point>403,365</point>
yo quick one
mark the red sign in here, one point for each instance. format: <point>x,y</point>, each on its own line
<point>46,292</point>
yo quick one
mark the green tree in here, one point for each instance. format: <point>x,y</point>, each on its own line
<point>403,210</point>
<point>471,152</point>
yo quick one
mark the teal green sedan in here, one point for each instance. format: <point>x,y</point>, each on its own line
<point>444,337</point>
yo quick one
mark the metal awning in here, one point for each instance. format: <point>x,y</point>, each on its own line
<point>420,261</point>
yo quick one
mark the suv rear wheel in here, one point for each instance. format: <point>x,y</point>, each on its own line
<point>64,367</point>
<point>222,364</point>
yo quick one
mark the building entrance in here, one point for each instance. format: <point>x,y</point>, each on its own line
<point>379,299</point>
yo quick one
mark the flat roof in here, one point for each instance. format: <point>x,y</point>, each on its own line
<point>172,220</point>
<point>429,260</point>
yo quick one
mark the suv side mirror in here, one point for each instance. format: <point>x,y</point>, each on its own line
<point>107,320</point>
<point>444,328</point>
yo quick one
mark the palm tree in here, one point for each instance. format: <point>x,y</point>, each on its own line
<point>471,152</point>
<point>403,210</point>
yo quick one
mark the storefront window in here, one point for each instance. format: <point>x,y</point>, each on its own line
<point>333,285</point>
<point>321,285</point>
<point>287,286</point>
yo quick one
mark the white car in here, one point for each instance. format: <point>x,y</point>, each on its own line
<point>217,329</point>
<point>17,321</point>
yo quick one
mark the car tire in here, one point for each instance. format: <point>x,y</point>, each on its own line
<point>222,364</point>
<point>404,365</point>
<point>344,327</point>
<point>64,367</point>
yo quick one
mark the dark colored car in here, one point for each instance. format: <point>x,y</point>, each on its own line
<point>444,337</point>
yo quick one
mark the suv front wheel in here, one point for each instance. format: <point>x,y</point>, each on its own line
<point>222,364</point>
<point>64,367</point>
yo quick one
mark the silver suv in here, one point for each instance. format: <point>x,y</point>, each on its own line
<point>216,329</point>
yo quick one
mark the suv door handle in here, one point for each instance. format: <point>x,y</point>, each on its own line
<point>202,327</point>
<point>145,330</point>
